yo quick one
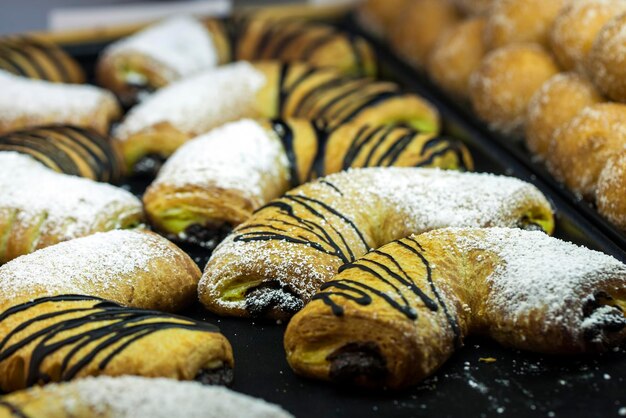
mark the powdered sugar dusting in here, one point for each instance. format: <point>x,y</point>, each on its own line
<point>199,103</point>
<point>181,44</point>
<point>63,205</point>
<point>41,102</point>
<point>241,156</point>
<point>139,397</point>
<point>102,263</point>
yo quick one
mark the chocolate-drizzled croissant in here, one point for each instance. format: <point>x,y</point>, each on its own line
<point>68,149</point>
<point>215,182</point>
<point>39,207</point>
<point>154,129</point>
<point>59,338</point>
<point>394,316</point>
<point>160,54</point>
<point>273,263</point>
<point>31,57</point>
<point>315,43</point>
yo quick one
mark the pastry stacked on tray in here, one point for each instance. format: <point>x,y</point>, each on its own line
<point>324,193</point>
<point>551,71</point>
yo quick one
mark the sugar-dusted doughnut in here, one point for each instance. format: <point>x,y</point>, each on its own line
<point>273,263</point>
<point>396,315</point>
<point>610,197</point>
<point>606,60</point>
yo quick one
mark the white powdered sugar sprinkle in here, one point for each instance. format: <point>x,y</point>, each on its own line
<point>181,44</point>
<point>241,156</point>
<point>199,103</point>
<point>139,397</point>
<point>63,205</point>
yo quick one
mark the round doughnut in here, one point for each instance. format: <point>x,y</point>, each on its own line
<point>513,21</point>
<point>606,63</point>
<point>577,26</point>
<point>456,55</point>
<point>474,7</point>
<point>503,84</point>
<point>554,105</point>
<point>580,150</point>
<point>378,16</point>
<point>610,197</point>
<point>419,26</point>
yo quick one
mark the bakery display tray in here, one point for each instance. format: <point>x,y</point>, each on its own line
<point>516,384</point>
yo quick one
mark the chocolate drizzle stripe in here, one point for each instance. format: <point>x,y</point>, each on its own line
<point>13,409</point>
<point>377,144</point>
<point>285,133</point>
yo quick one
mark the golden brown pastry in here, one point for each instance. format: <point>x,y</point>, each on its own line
<point>501,88</point>
<point>134,397</point>
<point>456,55</point>
<point>553,106</point>
<point>418,27</point>
<point>65,337</point>
<point>136,268</point>
<point>379,16</point>
<point>154,129</point>
<point>27,103</point>
<point>396,315</point>
<point>474,7</point>
<point>32,57</point>
<point>610,197</point>
<point>160,54</point>
<point>577,26</point>
<point>514,21</point>
<point>68,149</point>
<point>580,150</point>
<point>606,60</point>
<point>39,207</point>
<point>216,181</point>
<point>318,44</point>
<point>273,263</point>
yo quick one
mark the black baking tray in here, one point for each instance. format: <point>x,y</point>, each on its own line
<point>517,384</point>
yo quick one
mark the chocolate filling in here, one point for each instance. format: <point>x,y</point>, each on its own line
<point>526,224</point>
<point>359,364</point>
<point>148,165</point>
<point>611,322</point>
<point>272,296</point>
<point>223,376</point>
<point>207,236</point>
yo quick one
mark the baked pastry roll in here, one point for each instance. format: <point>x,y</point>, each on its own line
<point>396,315</point>
<point>68,149</point>
<point>135,268</point>
<point>315,43</point>
<point>26,103</point>
<point>273,263</point>
<point>35,58</point>
<point>134,397</point>
<point>160,54</point>
<point>65,337</point>
<point>217,180</point>
<point>39,207</point>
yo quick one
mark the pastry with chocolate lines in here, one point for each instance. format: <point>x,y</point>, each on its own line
<point>318,44</point>
<point>39,207</point>
<point>216,181</point>
<point>65,337</point>
<point>273,263</point>
<point>134,268</point>
<point>154,129</point>
<point>160,54</point>
<point>28,103</point>
<point>69,150</point>
<point>36,58</point>
<point>394,316</point>
<point>134,397</point>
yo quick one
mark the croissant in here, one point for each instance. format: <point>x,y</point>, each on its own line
<point>133,268</point>
<point>59,338</point>
<point>160,54</point>
<point>26,103</point>
<point>396,315</point>
<point>134,397</point>
<point>217,180</point>
<point>68,149</point>
<point>153,130</point>
<point>39,207</point>
<point>32,57</point>
<point>273,263</point>
<point>316,43</point>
